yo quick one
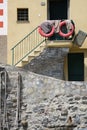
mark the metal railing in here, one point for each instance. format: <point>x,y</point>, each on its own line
<point>26,46</point>
<point>4,122</point>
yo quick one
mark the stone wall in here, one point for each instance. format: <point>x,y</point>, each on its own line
<point>46,103</point>
<point>50,63</point>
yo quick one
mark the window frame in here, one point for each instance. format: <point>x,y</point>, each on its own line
<point>22,17</point>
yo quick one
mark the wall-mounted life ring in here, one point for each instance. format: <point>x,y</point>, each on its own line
<point>44,34</point>
<point>66,35</point>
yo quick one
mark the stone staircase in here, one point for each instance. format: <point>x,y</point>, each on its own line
<point>32,55</point>
<point>32,45</point>
<point>28,48</point>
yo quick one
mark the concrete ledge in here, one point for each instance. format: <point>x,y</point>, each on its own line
<point>58,43</point>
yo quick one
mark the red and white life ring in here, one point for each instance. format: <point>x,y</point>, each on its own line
<point>66,35</point>
<point>44,34</point>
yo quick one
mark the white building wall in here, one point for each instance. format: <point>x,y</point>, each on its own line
<point>3,18</point>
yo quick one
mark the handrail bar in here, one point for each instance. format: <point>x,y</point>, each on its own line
<point>24,38</point>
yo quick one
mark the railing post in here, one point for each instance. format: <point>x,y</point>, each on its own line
<point>13,56</point>
<point>0,104</point>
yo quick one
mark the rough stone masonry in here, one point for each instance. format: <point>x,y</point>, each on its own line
<point>50,63</point>
<point>46,103</point>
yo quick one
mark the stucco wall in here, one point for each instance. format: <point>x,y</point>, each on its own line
<point>17,30</point>
<point>78,11</point>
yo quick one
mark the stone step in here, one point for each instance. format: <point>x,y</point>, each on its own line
<point>32,55</point>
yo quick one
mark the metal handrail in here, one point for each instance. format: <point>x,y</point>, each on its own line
<point>26,46</point>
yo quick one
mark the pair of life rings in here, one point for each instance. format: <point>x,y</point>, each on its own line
<point>61,33</point>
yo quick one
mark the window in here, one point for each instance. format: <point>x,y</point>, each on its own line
<point>22,14</point>
<point>1,1</point>
<point>1,24</point>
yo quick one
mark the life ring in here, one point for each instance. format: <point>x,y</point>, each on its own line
<point>66,35</point>
<point>44,34</point>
